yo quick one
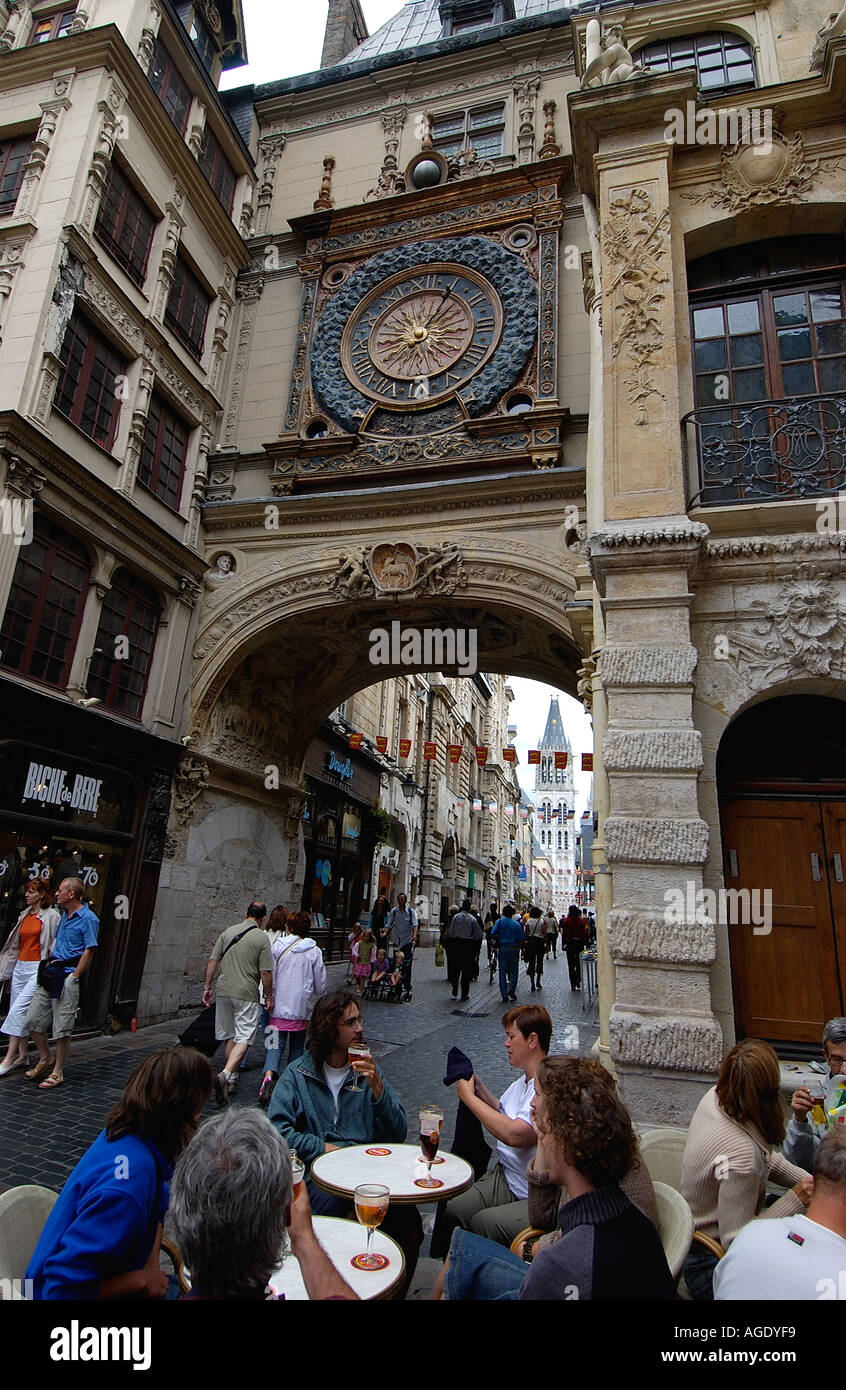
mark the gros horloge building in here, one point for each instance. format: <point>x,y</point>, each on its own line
<point>531,326</point>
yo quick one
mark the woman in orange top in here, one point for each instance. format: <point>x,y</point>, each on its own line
<point>30,941</point>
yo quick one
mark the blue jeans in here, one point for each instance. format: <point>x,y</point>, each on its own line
<point>509,966</point>
<point>698,1271</point>
<point>296,1047</point>
<point>480,1270</point>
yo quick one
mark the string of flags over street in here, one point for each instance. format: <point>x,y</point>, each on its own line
<point>455,753</point>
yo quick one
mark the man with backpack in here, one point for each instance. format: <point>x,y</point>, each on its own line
<point>242,955</point>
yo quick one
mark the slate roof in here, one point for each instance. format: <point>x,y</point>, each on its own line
<point>418,23</point>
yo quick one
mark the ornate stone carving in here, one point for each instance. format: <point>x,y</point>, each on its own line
<point>189,591</point>
<point>653,750</point>
<point>180,385</point>
<point>801,633</point>
<point>324,199</point>
<point>249,292</point>
<point>467,165</point>
<point>747,546</point>
<point>833,29</point>
<point>300,356</point>
<point>222,572</point>
<point>666,1044</point>
<point>526,95</point>
<point>399,570</point>
<point>550,149</point>
<point>584,684</point>
<point>755,175</point>
<point>191,780</point>
<point>548,314</point>
<point>644,936</point>
<point>11,261</point>
<point>607,59</point>
<point>40,148</point>
<point>270,150</point>
<point>391,181</point>
<point>448,220</point>
<point>632,666</point>
<point>221,485</point>
<point>22,480</point>
<point>125,327</point>
<point>155,821</point>
<point>637,244</point>
<point>647,533</point>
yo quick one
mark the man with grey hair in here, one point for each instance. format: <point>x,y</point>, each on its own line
<point>803,1134</point>
<point>795,1257</point>
<point>231,1203</point>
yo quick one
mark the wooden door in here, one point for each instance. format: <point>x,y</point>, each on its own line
<point>834,827</point>
<point>786,983</point>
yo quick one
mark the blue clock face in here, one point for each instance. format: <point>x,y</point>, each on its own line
<point>420,336</point>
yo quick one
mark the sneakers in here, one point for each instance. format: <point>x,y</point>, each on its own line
<point>512,996</point>
<point>223,1089</point>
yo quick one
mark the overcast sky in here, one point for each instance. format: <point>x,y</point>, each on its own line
<point>285,37</point>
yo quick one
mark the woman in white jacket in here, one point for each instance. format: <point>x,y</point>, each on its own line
<point>30,941</point>
<point>299,978</point>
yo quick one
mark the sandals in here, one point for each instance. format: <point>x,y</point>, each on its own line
<point>38,1070</point>
<point>52,1082</point>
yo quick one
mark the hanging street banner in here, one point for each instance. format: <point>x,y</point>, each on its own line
<point>587,762</point>
<point>481,754</point>
<point>355,740</point>
<point>381,743</point>
<point>430,752</point>
<point>509,755</point>
<point>534,756</point>
<point>560,761</point>
<point>404,747</point>
<point>454,750</point>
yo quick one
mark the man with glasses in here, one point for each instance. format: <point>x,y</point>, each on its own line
<point>803,1134</point>
<point>320,1103</point>
<point>56,999</point>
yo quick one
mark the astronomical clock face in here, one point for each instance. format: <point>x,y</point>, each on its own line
<point>420,336</point>
<point>424,335</point>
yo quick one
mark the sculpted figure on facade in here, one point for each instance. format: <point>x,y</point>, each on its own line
<point>607,58</point>
<point>399,570</point>
<point>832,30</point>
<point>802,633</point>
<point>192,779</point>
<point>223,571</point>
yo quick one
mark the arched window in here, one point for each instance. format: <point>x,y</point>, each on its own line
<point>768,330</point>
<point>44,612</point>
<point>721,60</point>
<point>126,638</point>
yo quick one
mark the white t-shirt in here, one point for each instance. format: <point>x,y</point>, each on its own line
<point>790,1257</point>
<point>515,1103</point>
<point>335,1078</point>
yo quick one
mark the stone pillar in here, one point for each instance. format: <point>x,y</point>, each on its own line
<point>172,648</point>
<point>198,488</point>
<point>34,168</point>
<point>138,422</point>
<point>248,293</point>
<point>21,485</point>
<point>112,127</point>
<point>221,329</point>
<point>147,42</point>
<point>18,17</point>
<point>196,127</point>
<point>173,232</point>
<point>97,589</point>
<point>526,96</point>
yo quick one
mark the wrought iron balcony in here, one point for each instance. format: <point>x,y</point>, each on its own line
<point>768,451</point>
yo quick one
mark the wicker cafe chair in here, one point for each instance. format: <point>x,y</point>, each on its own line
<point>531,1233</point>
<point>675,1226</point>
<point>662,1151</point>
<point>23,1213</point>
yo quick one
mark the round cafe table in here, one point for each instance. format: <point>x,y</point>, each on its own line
<point>396,1166</point>
<point>342,1240</point>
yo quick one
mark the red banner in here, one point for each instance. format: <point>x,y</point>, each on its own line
<point>560,761</point>
<point>404,747</point>
<point>509,755</point>
<point>355,740</point>
<point>587,762</point>
<point>481,754</point>
<point>430,752</point>
<point>534,756</point>
<point>454,750</point>
<point>381,743</point>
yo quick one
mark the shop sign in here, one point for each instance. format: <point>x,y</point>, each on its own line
<point>344,769</point>
<point>49,786</point>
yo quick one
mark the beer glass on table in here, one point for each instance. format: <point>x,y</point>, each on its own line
<point>371,1207</point>
<point>357,1052</point>
<point>297,1171</point>
<point>431,1119</point>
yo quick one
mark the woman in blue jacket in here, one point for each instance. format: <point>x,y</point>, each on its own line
<point>102,1237</point>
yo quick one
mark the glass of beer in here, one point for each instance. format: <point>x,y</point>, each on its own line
<point>356,1052</point>
<point>371,1207</point>
<point>297,1171</point>
<point>431,1119</point>
<point>818,1092</point>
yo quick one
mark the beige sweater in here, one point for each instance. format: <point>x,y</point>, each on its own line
<point>725,1170</point>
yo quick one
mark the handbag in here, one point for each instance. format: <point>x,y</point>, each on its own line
<point>440,955</point>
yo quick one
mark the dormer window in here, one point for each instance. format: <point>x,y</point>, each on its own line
<point>721,60</point>
<point>462,16</point>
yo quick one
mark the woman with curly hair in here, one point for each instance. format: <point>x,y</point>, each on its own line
<point>102,1237</point>
<point>607,1249</point>
<point>730,1155</point>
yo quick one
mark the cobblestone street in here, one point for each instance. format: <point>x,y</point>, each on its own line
<point>45,1133</point>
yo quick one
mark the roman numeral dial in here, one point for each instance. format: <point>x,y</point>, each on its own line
<point>422,334</point>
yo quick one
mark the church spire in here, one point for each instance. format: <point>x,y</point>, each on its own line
<point>345,29</point>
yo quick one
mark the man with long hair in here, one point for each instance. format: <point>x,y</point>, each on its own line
<point>102,1237</point>
<point>316,1108</point>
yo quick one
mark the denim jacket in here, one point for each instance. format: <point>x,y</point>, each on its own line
<point>303,1111</point>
